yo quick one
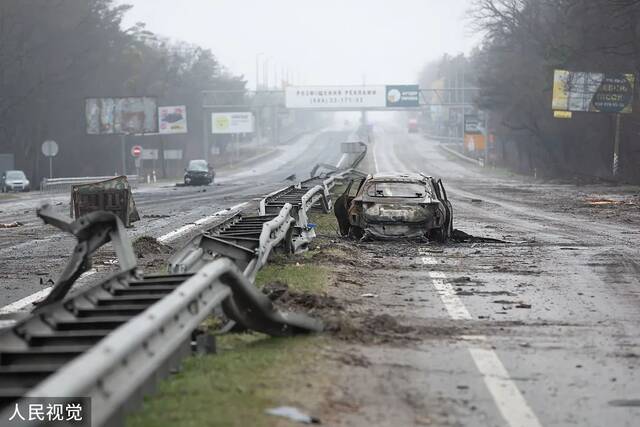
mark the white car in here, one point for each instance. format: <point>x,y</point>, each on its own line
<point>14,180</point>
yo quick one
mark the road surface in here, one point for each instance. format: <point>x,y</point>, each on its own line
<point>540,330</point>
<point>35,253</point>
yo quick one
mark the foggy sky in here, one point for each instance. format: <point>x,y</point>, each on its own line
<point>320,41</point>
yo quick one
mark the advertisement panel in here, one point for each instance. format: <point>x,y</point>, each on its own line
<point>335,97</point>
<point>403,96</point>
<point>474,139</point>
<point>592,92</point>
<point>229,123</point>
<point>121,116</point>
<point>172,120</point>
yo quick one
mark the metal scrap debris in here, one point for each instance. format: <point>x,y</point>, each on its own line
<point>607,202</point>
<point>294,414</point>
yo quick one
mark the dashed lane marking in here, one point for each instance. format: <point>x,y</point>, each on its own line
<point>506,395</point>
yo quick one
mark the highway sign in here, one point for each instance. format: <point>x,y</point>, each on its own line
<point>403,96</point>
<point>150,154</point>
<point>50,148</point>
<point>136,151</point>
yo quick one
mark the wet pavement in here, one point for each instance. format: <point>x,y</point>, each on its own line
<point>32,254</point>
<point>540,330</point>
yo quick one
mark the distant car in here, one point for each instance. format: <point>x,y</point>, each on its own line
<point>412,126</point>
<point>198,172</point>
<point>395,205</point>
<point>14,180</point>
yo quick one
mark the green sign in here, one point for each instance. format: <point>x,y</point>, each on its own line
<point>403,96</point>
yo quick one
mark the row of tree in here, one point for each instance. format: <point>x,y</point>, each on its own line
<point>524,42</point>
<point>56,53</point>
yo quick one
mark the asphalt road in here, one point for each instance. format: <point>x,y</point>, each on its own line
<point>547,322</point>
<point>34,253</point>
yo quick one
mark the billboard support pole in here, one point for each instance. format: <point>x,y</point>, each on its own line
<point>205,137</point>
<point>123,152</point>
<point>616,147</point>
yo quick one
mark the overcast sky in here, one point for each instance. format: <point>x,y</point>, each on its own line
<point>319,41</point>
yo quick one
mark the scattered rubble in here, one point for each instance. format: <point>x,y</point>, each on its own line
<point>12,224</point>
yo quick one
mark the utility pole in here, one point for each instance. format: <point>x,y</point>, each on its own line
<point>123,152</point>
<point>258,70</point>
<point>205,129</point>
<point>616,147</point>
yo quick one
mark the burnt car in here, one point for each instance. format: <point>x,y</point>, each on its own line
<point>198,172</point>
<point>394,206</point>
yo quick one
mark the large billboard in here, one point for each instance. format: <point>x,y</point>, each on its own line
<point>172,120</point>
<point>592,92</point>
<point>121,116</point>
<point>335,97</point>
<point>230,123</point>
<point>352,97</point>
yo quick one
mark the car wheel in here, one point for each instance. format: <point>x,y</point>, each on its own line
<point>438,235</point>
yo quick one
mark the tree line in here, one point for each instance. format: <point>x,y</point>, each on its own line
<point>56,53</point>
<point>524,41</point>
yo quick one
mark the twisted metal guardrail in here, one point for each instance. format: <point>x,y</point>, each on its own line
<point>124,332</point>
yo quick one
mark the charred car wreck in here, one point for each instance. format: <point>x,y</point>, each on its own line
<point>394,206</point>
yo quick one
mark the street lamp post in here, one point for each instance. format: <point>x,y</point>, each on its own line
<point>258,70</point>
<point>265,72</point>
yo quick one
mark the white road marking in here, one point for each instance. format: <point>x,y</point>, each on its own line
<point>186,228</point>
<point>29,300</point>
<point>452,303</point>
<point>508,398</point>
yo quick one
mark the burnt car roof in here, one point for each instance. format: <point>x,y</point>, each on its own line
<point>398,177</point>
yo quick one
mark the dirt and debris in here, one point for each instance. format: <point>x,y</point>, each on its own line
<point>459,236</point>
<point>14,224</point>
<point>155,216</point>
<point>147,245</point>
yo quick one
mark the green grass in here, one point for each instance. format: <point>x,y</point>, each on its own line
<point>234,388</point>
<point>7,196</point>
<point>252,372</point>
<point>301,277</point>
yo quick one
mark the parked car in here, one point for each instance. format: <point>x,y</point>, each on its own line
<point>198,172</point>
<point>14,180</point>
<point>395,205</point>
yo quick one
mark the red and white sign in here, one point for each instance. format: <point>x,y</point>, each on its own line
<point>136,151</point>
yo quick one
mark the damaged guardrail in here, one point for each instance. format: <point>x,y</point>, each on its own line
<point>63,185</point>
<point>248,240</point>
<point>127,330</point>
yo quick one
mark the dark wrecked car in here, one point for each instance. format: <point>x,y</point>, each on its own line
<point>198,172</point>
<point>395,205</point>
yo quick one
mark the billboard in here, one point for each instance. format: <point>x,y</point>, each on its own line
<point>403,96</point>
<point>335,97</point>
<point>172,120</point>
<point>592,92</point>
<point>229,123</point>
<point>474,139</point>
<point>121,116</point>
